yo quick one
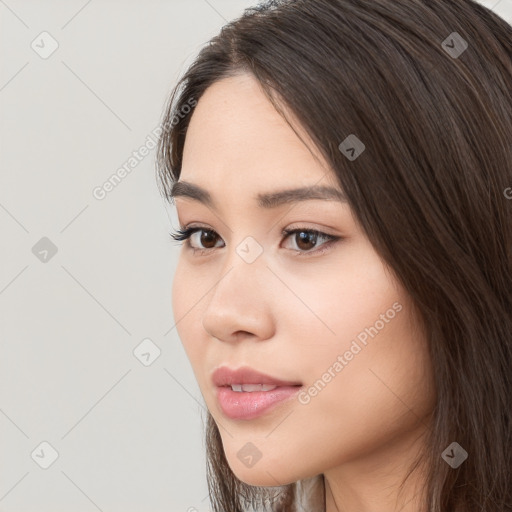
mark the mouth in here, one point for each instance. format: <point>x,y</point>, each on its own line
<point>251,388</point>
<point>246,394</point>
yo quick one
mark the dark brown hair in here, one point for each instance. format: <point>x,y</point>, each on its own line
<point>428,190</point>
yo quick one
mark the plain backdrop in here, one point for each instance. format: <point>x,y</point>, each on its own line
<point>99,409</point>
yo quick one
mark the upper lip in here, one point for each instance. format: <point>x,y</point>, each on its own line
<point>225,376</point>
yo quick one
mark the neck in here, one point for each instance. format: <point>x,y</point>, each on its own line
<point>373,482</point>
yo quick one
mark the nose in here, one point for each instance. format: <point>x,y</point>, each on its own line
<point>240,304</point>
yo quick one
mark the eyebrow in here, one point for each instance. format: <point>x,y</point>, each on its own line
<point>264,200</point>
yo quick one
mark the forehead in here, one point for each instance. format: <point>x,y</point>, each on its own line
<point>237,137</point>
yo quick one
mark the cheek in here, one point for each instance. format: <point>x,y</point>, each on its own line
<point>337,300</point>
<point>185,302</point>
<point>179,298</point>
<point>384,380</point>
<point>382,387</point>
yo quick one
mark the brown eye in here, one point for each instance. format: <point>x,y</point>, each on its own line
<point>207,238</point>
<point>306,240</point>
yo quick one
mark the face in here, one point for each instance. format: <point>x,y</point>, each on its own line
<point>320,310</point>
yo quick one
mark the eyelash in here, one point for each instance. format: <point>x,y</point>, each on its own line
<point>184,234</point>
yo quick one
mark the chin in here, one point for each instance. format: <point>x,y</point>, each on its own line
<point>259,478</point>
<point>263,474</point>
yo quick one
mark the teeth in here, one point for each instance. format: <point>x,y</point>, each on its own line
<point>252,387</point>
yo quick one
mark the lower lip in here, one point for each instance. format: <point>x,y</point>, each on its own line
<point>244,405</point>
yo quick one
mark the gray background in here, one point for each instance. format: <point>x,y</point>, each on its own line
<point>127,427</point>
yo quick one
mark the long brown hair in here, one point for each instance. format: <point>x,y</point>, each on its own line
<point>426,86</point>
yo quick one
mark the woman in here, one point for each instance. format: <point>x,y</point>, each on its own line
<point>339,170</point>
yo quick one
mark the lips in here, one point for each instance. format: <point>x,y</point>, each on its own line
<point>246,394</point>
<point>225,376</point>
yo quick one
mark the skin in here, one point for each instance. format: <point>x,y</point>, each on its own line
<point>291,316</point>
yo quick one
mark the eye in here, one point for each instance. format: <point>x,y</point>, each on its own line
<point>305,239</point>
<point>206,237</point>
